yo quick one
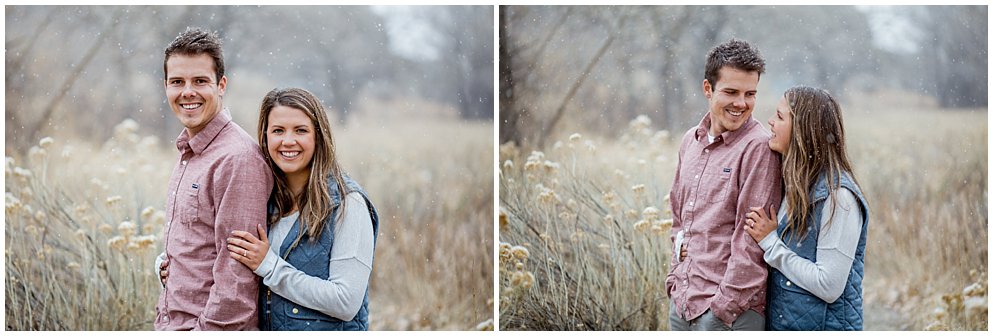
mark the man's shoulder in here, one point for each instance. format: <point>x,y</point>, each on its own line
<point>756,132</point>
<point>234,139</point>
<point>752,138</point>
<point>690,134</point>
<point>236,147</point>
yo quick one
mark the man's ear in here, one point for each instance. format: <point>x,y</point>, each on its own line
<point>708,90</point>
<point>222,84</point>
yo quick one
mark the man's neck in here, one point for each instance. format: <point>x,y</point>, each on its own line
<point>194,131</point>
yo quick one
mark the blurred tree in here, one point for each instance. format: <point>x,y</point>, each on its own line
<point>466,45</point>
<point>29,131</point>
<point>655,62</point>
<point>955,54</point>
<point>342,54</point>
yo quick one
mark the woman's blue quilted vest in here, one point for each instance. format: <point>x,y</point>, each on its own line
<point>312,257</point>
<point>790,307</point>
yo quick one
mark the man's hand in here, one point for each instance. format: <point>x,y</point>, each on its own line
<point>164,271</point>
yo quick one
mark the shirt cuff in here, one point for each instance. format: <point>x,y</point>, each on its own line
<point>724,309</point>
<point>158,269</point>
<point>769,241</point>
<point>268,264</point>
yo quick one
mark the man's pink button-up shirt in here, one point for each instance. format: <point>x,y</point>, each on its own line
<point>221,183</point>
<point>714,187</point>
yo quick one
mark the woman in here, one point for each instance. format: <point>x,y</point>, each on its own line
<point>316,275</point>
<point>816,251</point>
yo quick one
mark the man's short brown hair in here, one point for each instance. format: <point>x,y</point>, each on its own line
<point>734,53</point>
<point>195,41</point>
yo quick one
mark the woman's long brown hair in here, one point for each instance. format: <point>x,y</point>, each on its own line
<point>314,202</point>
<point>816,146</point>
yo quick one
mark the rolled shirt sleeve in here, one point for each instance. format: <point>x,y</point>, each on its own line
<point>219,183</point>
<point>240,190</point>
<point>745,278</point>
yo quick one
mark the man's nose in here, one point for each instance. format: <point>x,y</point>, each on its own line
<point>188,91</point>
<point>739,101</point>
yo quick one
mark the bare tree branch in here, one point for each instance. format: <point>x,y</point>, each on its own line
<point>71,80</point>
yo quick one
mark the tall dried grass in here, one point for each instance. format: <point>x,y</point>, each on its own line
<point>924,171</point>
<point>82,226</point>
<point>577,212</point>
<point>589,216</point>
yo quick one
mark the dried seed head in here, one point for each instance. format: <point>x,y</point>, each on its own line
<point>520,253</point>
<point>46,142</point>
<point>105,228</point>
<point>117,243</point>
<point>114,201</point>
<point>147,213</point>
<point>641,226</point>
<point>504,221</point>
<point>650,214</point>
<point>126,228</point>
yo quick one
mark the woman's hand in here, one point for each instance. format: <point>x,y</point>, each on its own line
<point>758,224</point>
<point>245,248</point>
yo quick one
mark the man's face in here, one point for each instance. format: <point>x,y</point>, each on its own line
<point>192,91</point>
<point>731,99</point>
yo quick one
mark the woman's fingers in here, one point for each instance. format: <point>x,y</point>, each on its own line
<point>262,234</point>
<point>245,236</point>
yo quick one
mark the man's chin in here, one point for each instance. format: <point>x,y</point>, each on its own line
<point>190,123</point>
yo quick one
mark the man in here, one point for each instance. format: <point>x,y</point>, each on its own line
<point>220,183</point>
<point>725,166</point>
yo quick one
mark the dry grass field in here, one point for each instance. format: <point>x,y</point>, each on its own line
<point>584,224</point>
<point>84,223</point>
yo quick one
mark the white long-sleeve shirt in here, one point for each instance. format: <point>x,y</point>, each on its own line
<point>836,245</point>
<point>341,295</point>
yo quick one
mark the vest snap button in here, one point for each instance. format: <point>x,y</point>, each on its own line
<point>787,284</point>
<point>295,311</point>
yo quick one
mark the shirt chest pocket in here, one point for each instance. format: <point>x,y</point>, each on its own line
<point>188,204</point>
<point>718,185</point>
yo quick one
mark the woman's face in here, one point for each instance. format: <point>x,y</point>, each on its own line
<point>291,140</point>
<point>782,127</point>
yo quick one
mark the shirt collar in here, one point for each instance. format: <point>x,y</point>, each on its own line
<point>201,140</point>
<point>728,137</point>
